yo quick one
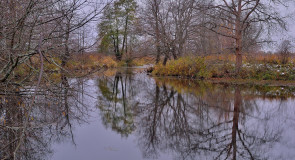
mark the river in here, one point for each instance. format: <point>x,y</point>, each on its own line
<point>126,114</point>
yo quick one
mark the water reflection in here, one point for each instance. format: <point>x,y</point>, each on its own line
<point>116,103</point>
<point>197,120</point>
<point>27,131</point>
<point>175,118</point>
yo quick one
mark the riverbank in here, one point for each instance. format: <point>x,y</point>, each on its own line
<point>267,70</point>
<point>223,70</point>
<point>76,66</point>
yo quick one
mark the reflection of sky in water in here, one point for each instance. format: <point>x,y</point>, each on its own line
<point>262,119</point>
<point>280,118</point>
<point>94,141</point>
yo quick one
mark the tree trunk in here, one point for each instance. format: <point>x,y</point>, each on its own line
<point>156,12</point>
<point>66,55</point>
<point>235,128</point>
<point>239,58</point>
<point>125,36</point>
<point>238,39</point>
<point>165,60</point>
<point>118,54</point>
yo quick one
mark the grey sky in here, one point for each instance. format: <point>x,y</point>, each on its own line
<point>279,35</point>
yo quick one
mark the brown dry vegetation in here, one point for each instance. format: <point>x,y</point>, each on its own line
<point>77,65</point>
<point>220,67</point>
<point>255,67</point>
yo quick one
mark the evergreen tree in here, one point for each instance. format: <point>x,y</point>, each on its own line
<point>114,27</point>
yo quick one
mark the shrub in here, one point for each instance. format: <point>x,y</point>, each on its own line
<point>268,76</point>
<point>108,62</point>
<point>22,71</point>
<point>185,67</point>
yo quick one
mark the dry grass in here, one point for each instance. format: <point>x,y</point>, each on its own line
<point>190,67</point>
<point>248,58</point>
<point>255,66</point>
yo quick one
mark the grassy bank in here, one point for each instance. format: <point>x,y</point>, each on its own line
<point>223,67</point>
<point>261,69</point>
<point>76,66</point>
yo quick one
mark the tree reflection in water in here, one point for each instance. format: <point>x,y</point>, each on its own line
<point>186,119</point>
<point>55,109</point>
<point>192,120</point>
<point>117,102</point>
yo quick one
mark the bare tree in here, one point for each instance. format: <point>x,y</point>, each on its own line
<point>31,30</point>
<point>285,51</point>
<point>154,7</point>
<point>23,23</point>
<point>170,24</point>
<point>240,15</point>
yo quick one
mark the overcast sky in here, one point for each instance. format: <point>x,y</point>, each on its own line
<point>280,35</point>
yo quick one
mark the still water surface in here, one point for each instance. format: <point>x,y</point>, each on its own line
<point>128,115</point>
